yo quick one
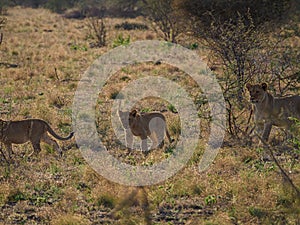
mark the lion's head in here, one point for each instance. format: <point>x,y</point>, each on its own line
<point>257,92</point>
<point>127,117</point>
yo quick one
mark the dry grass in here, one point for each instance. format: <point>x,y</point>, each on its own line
<point>238,188</point>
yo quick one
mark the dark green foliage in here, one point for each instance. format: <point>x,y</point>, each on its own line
<point>131,26</point>
<point>16,196</point>
<point>257,212</point>
<point>106,201</point>
<point>262,11</point>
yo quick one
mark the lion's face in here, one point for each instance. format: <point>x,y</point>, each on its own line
<point>257,92</point>
<point>127,118</point>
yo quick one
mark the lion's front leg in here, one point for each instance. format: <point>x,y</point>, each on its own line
<point>267,131</point>
<point>129,138</point>
<point>8,147</point>
<point>144,144</point>
<point>259,127</point>
<point>154,140</point>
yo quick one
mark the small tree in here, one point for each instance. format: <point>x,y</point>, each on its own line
<point>243,52</point>
<point>98,30</point>
<point>163,14</point>
<point>2,24</point>
<point>233,45</point>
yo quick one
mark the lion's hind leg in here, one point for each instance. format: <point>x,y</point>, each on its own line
<point>154,140</point>
<point>48,140</point>
<point>144,146</point>
<point>157,127</point>
<point>36,147</point>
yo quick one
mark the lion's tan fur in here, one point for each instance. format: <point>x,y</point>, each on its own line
<point>143,125</point>
<point>270,111</point>
<point>33,130</point>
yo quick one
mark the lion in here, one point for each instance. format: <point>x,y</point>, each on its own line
<point>33,130</point>
<point>143,125</point>
<point>270,111</point>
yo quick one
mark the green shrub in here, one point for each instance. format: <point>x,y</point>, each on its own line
<point>210,200</point>
<point>120,40</point>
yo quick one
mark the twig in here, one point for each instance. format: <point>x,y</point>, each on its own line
<point>249,119</point>
<point>56,75</point>
<point>285,175</point>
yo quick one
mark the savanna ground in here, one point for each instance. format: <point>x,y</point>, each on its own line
<point>43,57</point>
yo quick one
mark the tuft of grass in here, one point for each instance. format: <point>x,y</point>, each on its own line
<point>210,200</point>
<point>174,126</point>
<point>144,110</point>
<point>106,200</point>
<point>77,47</point>
<point>120,40</point>
<point>70,219</point>
<point>16,195</point>
<point>172,108</point>
<point>65,127</point>
<point>193,46</point>
<point>257,212</point>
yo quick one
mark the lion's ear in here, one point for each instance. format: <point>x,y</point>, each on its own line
<point>248,86</point>
<point>264,86</point>
<point>133,113</point>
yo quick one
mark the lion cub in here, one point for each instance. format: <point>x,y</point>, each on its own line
<point>270,111</point>
<point>33,130</point>
<point>143,125</point>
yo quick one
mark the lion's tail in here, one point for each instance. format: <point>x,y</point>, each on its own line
<point>168,136</point>
<point>51,131</point>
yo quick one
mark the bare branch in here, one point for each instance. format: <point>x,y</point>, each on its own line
<point>284,174</point>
